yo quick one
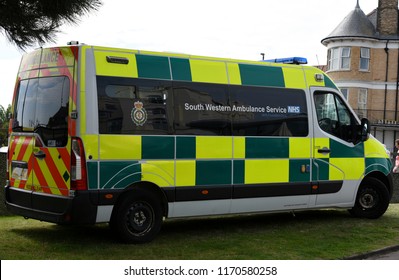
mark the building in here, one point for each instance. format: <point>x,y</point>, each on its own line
<point>363,60</point>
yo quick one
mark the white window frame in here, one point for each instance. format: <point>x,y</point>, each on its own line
<point>365,58</point>
<point>333,62</point>
<point>339,58</point>
<point>362,102</point>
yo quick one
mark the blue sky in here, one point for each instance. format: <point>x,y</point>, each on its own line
<point>222,28</point>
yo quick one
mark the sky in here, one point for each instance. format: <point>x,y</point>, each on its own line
<point>220,28</point>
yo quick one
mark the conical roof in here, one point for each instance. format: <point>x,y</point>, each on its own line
<point>355,24</point>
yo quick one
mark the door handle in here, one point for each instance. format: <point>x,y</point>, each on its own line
<point>39,154</point>
<point>324,150</point>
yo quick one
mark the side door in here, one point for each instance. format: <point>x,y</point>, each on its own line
<point>272,149</point>
<point>338,158</point>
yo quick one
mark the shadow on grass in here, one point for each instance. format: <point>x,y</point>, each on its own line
<point>209,227</point>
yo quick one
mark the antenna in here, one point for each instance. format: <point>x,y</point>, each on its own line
<point>263,56</point>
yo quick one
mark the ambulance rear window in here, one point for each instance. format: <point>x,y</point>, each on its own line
<point>42,107</point>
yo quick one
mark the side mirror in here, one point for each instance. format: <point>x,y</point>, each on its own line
<point>364,130</point>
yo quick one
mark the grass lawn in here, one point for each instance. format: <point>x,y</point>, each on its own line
<point>321,234</point>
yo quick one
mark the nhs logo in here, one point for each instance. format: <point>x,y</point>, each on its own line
<point>294,109</point>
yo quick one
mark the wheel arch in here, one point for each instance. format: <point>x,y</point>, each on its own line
<point>387,180</point>
<point>148,187</point>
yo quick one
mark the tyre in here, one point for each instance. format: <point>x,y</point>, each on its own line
<point>138,219</point>
<point>372,199</point>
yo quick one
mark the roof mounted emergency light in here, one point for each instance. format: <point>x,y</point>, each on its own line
<point>72,43</point>
<point>288,60</point>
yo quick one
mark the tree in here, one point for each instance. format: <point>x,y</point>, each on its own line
<point>4,113</point>
<point>29,22</point>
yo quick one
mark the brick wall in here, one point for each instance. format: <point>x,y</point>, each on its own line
<point>387,19</point>
<point>375,97</point>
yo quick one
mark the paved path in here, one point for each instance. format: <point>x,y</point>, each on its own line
<point>385,256</point>
<point>389,253</point>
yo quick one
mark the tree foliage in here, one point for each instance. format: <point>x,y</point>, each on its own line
<point>4,113</point>
<point>29,22</point>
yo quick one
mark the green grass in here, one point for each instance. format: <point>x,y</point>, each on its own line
<point>322,234</point>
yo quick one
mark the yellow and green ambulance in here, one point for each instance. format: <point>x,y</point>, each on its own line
<point>129,138</point>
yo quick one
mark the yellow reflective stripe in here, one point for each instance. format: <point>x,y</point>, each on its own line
<point>91,145</point>
<point>104,68</point>
<point>294,78</point>
<point>115,147</point>
<point>153,53</point>
<point>51,183</point>
<point>266,171</point>
<point>310,77</point>
<point>239,147</point>
<point>160,173</point>
<point>81,92</point>
<point>234,73</point>
<point>208,147</point>
<point>68,55</point>
<point>208,71</point>
<point>185,173</point>
<point>374,149</point>
<point>350,168</point>
<point>59,163</point>
<point>18,147</point>
<point>28,151</point>
<point>300,147</point>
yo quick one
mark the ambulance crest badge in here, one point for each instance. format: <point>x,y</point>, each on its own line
<point>139,114</point>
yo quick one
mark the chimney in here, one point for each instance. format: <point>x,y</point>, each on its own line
<point>387,17</point>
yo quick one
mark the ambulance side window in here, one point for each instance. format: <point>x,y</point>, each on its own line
<point>134,106</point>
<point>261,111</point>
<point>333,116</point>
<point>201,109</point>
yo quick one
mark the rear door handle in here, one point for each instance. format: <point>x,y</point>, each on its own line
<point>39,154</point>
<point>324,150</point>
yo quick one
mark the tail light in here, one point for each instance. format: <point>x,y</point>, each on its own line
<point>78,166</point>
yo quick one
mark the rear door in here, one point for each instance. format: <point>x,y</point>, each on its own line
<point>41,127</point>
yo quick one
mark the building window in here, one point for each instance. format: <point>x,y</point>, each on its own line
<point>345,93</point>
<point>339,58</point>
<point>362,103</point>
<point>364,59</point>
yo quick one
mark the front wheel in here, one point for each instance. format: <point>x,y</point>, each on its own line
<point>372,199</point>
<point>138,218</point>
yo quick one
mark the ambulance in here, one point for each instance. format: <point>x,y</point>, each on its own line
<point>131,138</point>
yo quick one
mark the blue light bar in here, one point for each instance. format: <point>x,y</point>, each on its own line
<point>289,60</point>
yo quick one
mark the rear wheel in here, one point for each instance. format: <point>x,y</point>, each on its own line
<point>372,199</point>
<point>138,219</point>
